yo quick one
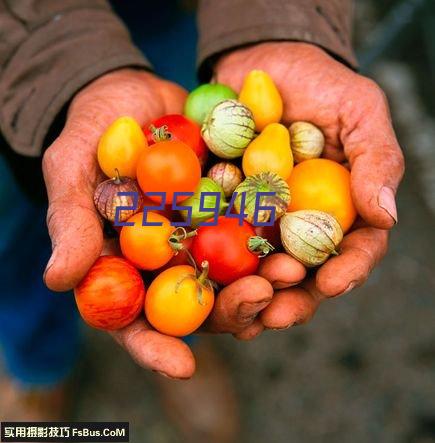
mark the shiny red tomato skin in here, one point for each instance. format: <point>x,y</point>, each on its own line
<point>112,294</point>
<point>225,247</point>
<point>182,129</point>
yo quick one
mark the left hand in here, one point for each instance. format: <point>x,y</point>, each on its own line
<point>353,114</point>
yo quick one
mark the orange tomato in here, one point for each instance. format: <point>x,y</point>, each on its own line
<point>168,166</point>
<point>147,247</point>
<point>177,303</point>
<point>323,185</point>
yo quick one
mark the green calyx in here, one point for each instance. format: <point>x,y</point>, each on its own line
<point>259,245</point>
<point>178,236</point>
<point>160,134</point>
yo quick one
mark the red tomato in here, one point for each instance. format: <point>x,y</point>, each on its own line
<point>111,295</point>
<point>225,247</point>
<point>169,167</point>
<point>177,127</point>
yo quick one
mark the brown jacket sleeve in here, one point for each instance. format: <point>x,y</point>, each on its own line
<point>227,24</point>
<point>49,49</point>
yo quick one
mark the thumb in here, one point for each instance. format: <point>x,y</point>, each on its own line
<point>73,224</point>
<point>377,163</point>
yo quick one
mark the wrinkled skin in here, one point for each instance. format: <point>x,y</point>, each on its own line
<point>71,174</point>
<point>352,112</point>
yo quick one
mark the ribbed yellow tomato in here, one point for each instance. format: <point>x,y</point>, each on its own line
<point>120,147</point>
<point>323,185</point>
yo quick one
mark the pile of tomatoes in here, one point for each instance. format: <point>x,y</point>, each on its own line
<point>182,267</point>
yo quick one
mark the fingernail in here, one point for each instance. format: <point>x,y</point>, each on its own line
<point>248,311</point>
<point>350,287</point>
<point>164,375</point>
<point>283,284</point>
<point>50,262</point>
<point>387,201</point>
<point>284,328</point>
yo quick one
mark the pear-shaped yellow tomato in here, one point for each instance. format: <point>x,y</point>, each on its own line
<point>260,94</point>
<point>178,302</point>
<point>269,152</point>
<point>120,147</point>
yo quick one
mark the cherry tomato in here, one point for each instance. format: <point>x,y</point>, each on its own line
<point>226,247</point>
<point>120,146</point>
<point>147,247</point>
<point>178,302</point>
<point>169,166</point>
<point>177,127</point>
<point>111,295</point>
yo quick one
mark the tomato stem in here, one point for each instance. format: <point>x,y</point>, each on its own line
<point>176,240</point>
<point>202,278</point>
<point>259,245</point>
<point>117,179</point>
<point>160,134</point>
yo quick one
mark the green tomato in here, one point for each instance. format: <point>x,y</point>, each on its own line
<point>205,185</point>
<point>204,98</point>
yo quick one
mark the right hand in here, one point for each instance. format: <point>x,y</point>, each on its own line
<point>71,175</point>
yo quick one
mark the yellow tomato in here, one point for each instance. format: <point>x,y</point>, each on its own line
<point>323,185</point>
<point>120,147</point>
<point>269,152</point>
<point>260,94</point>
<point>177,303</point>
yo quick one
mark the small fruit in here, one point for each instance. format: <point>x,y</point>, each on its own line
<point>204,98</point>
<point>306,140</point>
<point>260,94</point>
<point>177,127</point>
<point>323,185</point>
<point>111,295</point>
<point>150,247</point>
<point>227,175</point>
<point>232,251</point>
<point>169,166</point>
<point>310,236</point>
<point>120,147</point>
<point>178,301</point>
<point>228,129</point>
<point>107,198</point>
<point>209,202</point>
<point>269,152</point>
<point>252,186</point>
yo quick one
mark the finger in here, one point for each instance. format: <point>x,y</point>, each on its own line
<point>360,252</point>
<point>238,304</point>
<point>289,307</point>
<point>74,226</point>
<point>250,332</point>
<point>376,160</point>
<point>169,356</point>
<point>281,270</point>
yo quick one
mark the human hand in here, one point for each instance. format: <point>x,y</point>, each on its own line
<point>353,114</point>
<point>71,173</point>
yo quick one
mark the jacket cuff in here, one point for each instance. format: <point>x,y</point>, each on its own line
<point>229,24</point>
<point>52,64</point>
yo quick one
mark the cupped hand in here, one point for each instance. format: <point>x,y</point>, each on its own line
<point>353,114</point>
<point>71,174</point>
